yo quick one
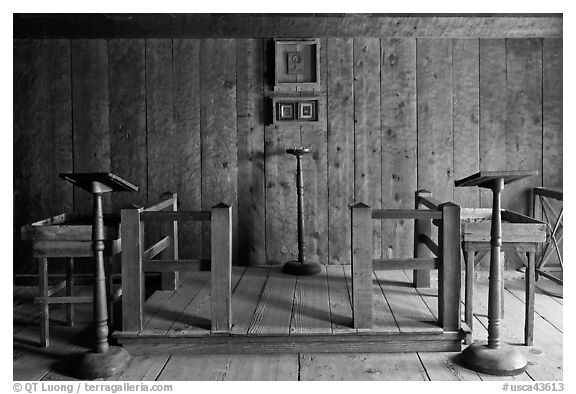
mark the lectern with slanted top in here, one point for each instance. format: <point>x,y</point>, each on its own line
<point>104,361</point>
<point>494,357</point>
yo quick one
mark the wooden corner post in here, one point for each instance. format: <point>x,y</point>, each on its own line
<point>221,267</point>
<point>170,280</point>
<point>362,266</point>
<point>449,276</point>
<point>132,234</point>
<point>421,278</point>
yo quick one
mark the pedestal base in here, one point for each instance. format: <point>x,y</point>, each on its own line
<point>295,268</point>
<point>504,361</point>
<point>103,365</point>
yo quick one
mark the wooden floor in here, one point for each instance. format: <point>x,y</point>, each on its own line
<point>318,305</point>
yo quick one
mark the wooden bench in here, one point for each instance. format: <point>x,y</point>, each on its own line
<point>443,256</point>
<point>138,259</point>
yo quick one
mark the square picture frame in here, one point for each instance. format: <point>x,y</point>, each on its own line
<point>285,111</point>
<point>307,110</point>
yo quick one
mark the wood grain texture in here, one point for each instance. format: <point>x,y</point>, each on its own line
<point>315,172</point>
<point>127,90</point>
<point>143,368</point>
<point>218,137</point>
<point>221,367</point>
<point>552,113</point>
<point>221,268</point>
<point>435,131</point>
<point>399,141</point>
<point>311,308</point>
<point>524,118</point>
<point>90,114</point>
<point>273,314</point>
<point>280,174</point>
<point>340,128</point>
<point>288,25</point>
<point>245,299</point>
<point>340,301</point>
<point>492,109</point>
<point>251,118</point>
<point>25,88</point>
<point>465,53</point>
<point>187,160</point>
<point>362,303</point>
<point>409,310</point>
<point>159,118</point>
<point>42,134</point>
<point>367,150</point>
<point>362,366</point>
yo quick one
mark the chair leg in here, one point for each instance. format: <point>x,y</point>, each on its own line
<point>70,291</point>
<point>44,311</point>
<point>530,284</point>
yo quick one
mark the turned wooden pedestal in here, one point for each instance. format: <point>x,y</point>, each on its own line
<point>300,266</point>
<point>494,357</point>
<point>104,361</point>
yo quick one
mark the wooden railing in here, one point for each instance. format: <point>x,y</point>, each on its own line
<point>136,259</point>
<point>444,256</point>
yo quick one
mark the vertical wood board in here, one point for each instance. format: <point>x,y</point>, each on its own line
<point>340,129</point>
<point>90,114</point>
<point>465,55</point>
<point>187,146</point>
<point>399,141</point>
<point>251,178</point>
<point>367,132</point>
<point>127,90</point>
<point>218,131</point>
<point>435,131</point>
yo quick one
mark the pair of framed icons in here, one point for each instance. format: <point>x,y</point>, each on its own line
<point>294,110</point>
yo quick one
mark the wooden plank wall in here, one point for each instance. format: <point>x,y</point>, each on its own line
<point>190,116</point>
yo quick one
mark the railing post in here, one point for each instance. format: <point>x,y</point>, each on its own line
<point>132,235</point>
<point>170,280</point>
<point>421,278</point>
<point>449,276</point>
<point>221,267</point>
<point>362,266</point>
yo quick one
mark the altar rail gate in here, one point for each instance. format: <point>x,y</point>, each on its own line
<point>137,260</point>
<point>443,256</point>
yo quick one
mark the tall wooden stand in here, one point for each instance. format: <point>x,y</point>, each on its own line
<point>494,357</point>
<point>301,266</point>
<point>105,360</point>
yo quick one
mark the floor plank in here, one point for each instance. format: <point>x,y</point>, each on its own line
<point>544,305</point>
<point>245,299</point>
<point>220,367</point>
<point>196,317</point>
<point>384,320</point>
<point>443,366</point>
<point>273,313</point>
<point>545,357</point>
<point>30,362</point>
<point>143,368</point>
<point>408,308</point>
<point>311,311</point>
<point>339,298</point>
<point>362,366</point>
<point>163,318</point>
